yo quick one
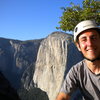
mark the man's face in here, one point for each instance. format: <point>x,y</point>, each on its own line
<point>89,44</point>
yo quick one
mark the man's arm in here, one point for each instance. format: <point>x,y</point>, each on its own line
<point>63,96</point>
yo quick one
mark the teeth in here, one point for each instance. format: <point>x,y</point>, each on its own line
<point>90,50</point>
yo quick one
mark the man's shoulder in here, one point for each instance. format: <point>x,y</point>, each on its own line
<point>79,66</point>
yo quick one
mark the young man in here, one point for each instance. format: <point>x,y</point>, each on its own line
<point>86,74</point>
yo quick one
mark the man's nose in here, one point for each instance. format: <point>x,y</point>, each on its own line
<point>89,42</point>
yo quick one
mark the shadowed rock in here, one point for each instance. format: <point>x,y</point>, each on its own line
<point>15,57</point>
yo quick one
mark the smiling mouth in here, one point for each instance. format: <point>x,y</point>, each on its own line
<point>91,50</point>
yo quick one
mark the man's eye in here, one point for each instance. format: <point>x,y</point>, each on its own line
<point>83,40</point>
<point>94,38</point>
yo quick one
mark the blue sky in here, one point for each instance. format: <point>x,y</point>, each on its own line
<point>30,19</point>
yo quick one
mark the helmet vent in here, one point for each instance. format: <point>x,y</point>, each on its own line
<point>76,29</point>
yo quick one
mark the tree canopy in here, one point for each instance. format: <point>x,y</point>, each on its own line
<point>71,16</point>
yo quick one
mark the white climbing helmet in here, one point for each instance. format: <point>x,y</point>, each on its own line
<point>82,26</point>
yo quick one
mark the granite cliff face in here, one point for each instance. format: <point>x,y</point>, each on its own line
<point>51,63</point>
<point>38,66</point>
<point>55,57</point>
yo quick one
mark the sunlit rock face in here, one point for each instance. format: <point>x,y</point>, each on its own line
<point>54,55</point>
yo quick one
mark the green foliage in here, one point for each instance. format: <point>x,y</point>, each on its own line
<point>90,9</point>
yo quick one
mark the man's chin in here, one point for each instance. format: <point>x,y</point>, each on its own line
<point>92,60</point>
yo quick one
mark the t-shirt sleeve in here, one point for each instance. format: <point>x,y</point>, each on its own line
<point>70,82</point>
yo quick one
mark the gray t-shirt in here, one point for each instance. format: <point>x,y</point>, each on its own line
<point>81,77</point>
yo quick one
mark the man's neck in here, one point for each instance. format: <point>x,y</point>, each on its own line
<point>94,66</point>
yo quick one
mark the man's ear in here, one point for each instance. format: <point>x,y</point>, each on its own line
<point>78,46</point>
